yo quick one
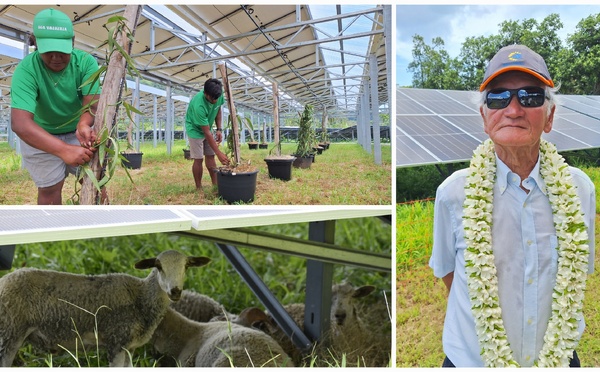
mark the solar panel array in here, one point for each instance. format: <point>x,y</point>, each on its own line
<point>444,126</point>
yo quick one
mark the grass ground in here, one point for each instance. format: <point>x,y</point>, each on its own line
<point>284,275</point>
<point>421,298</point>
<point>343,175</point>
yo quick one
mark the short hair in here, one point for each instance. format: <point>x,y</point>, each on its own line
<point>214,88</point>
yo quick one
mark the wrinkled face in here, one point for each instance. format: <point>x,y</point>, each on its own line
<point>515,125</point>
<point>56,61</point>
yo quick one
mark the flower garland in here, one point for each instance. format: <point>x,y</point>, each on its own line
<point>562,333</point>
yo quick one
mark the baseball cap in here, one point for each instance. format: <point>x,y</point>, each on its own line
<point>517,58</point>
<point>53,31</point>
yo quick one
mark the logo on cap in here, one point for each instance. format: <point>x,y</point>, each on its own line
<point>515,56</point>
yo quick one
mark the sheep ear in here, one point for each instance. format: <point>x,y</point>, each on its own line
<point>197,261</point>
<point>146,263</point>
<point>252,317</point>
<point>363,291</point>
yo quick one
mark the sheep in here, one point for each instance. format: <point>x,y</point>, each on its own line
<point>50,308</point>
<point>200,308</point>
<point>217,343</point>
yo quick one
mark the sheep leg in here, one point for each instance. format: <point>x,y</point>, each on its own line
<point>9,347</point>
<point>120,359</point>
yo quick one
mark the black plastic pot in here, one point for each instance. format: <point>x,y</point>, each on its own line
<point>252,146</point>
<point>133,160</point>
<point>263,145</point>
<point>280,168</point>
<point>303,162</point>
<point>186,153</point>
<point>234,187</point>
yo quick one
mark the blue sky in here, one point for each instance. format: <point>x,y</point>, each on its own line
<point>454,23</point>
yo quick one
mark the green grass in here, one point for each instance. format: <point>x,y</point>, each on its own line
<point>284,275</point>
<point>421,298</point>
<point>343,175</point>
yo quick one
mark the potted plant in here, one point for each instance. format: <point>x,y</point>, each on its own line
<point>131,158</point>
<point>264,144</point>
<point>253,144</point>
<point>236,183</point>
<point>306,138</point>
<point>280,166</point>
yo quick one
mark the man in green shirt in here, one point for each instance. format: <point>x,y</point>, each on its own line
<point>204,110</point>
<point>46,102</point>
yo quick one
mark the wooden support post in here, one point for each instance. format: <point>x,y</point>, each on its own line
<point>107,108</point>
<point>276,119</point>
<point>234,124</point>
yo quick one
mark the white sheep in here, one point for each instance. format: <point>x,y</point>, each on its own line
<point>51,308</point>
<point>216,344</point>
<point>200,308</point>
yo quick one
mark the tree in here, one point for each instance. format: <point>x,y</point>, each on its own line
<point>579,67</point>
<point>432,66</point>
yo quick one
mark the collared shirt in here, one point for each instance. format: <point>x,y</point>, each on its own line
<point>524,243</point>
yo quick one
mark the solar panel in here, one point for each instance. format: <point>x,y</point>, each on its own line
<point>445,126</point>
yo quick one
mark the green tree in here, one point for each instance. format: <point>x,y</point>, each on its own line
<point>579,66</point>
<point>432,66</point>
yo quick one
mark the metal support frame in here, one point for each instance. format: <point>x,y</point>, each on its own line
<point>266,297</point>
<point>319,278</point>
<point>7,254</point>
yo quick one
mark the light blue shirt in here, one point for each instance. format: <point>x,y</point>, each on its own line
<point>524,245</point>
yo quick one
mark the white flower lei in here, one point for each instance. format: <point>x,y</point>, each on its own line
<point>561,335</point>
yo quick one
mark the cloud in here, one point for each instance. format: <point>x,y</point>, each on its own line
<point>454,23</point>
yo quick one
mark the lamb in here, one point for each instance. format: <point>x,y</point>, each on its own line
<point>200,308</point>
<point>217,343</point>
<point>47,307</point>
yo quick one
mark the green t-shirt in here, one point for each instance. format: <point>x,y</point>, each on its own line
<point>201,113</point>
<point>33,89</point>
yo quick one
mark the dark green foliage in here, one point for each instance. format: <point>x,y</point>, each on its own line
<point>418,183</point>
<point>306,133</point>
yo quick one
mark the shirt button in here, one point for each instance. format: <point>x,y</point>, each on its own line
<point>524,205</point>
<point>530,281</point>
<point>527,358</point>
<point>529,321</point>
<point>529,242</point>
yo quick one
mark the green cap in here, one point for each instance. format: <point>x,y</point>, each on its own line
<point>53,31</point>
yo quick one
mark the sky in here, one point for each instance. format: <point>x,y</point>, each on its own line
<point>454,23</point>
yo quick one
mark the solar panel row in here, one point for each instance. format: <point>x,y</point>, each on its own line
<point>444,126</point>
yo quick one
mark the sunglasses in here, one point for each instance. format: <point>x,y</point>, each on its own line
<point>528,97</point>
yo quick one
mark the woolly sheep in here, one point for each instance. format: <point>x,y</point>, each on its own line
<point>47,307</point>
<point>216,344</point>
<point>200,308</point>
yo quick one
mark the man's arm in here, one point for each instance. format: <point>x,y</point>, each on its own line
<point>23,125</point>
<point>214,145</point>
<point>448,280</point>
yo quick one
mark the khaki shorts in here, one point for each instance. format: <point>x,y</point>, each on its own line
<point>199,147</point>
<point>46,169</point>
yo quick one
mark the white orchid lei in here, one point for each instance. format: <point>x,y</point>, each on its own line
<point>562,334</point>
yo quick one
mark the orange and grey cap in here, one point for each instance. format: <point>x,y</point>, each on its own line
<point>53,31</point>
<point>517,58</point>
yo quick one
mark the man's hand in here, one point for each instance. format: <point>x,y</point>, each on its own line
<point>218,136</point>
<point>86,135</point>
<point>77,155</point>
<point>222,158</point>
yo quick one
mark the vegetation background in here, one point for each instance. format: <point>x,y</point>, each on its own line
<point>345,174</point>
<point>574,64</point>
<point>284,275</point>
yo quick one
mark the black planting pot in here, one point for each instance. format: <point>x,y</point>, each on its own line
<point>252,146</point>
<point>263,146</point>
<point>133,160</point>
<point>303,162</point>
<point>280,168</point>
<point>186,154</point>
<point>236,187</point>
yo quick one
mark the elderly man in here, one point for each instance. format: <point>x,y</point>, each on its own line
<point>514,233</point>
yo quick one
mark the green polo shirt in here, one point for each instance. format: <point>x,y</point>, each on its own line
<point>201,113</point>
<point>33,89</point>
